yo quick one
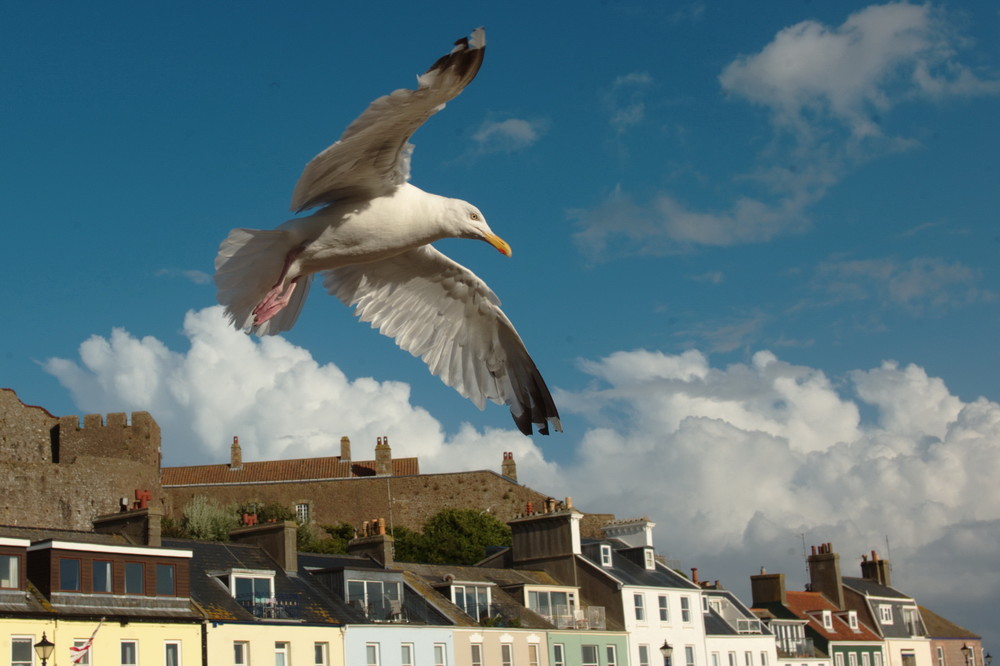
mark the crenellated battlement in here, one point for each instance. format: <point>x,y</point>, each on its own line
<point>68,469</point>
<point>111,436</point>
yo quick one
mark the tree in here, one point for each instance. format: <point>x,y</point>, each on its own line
<point>204,518</point>
<point>452,536</point>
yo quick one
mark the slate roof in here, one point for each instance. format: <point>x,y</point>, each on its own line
<point>939,627</point>
<point>433,575</point>
<point>301,469</point>
<point>717,625</point>
<point>870,588</point>
<point>217,602</point>
<point>630,573</point>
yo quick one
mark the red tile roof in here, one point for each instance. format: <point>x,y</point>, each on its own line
<point>808,606</point>
<point>269,471</point>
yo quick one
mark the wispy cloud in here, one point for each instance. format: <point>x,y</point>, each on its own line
<point>827,89</point>
<point>626,100</point>
<point>508,136</point>
<point>195,276</point>
<point>922,285</point>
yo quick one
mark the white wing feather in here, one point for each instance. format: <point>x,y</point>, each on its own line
<point>441,312</point>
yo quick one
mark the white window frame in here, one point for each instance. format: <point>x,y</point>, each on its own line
<point>852,620</point>
<point>852,658</point>
<point>866,659</point>
<point>479,611</point>
<point>748,658</point>
<point>763,658</point>
<point>241,653</point>
<point>716,659</point>
<point>689,655</point>
<point>885,614</point>
<point>30,641</point>
<point>303,512</point>
<point>533,658</point>
<point>940,655</point>
<point>558,654</point>
<point>406,654</point>
<point>638,601</point>
<point>643,655</point>
<point>838,659</point>
<point>476,650</point>
<point>649,558</point>
<point>612,654</point>
<point>135,652</point>
<point>321,649</point>
<point>664,605</point>
<point>440,654</point>
<point>685,609</point>
<point>88,658</point>
<point>583,654</point>
<point>372,650</point>
<point>605,555</point>
<point>827,618</point>
<point>166,651</point>
<point>283,648</point>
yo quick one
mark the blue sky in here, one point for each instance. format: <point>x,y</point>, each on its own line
<point>754,253</point>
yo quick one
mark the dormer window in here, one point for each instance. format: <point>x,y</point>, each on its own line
<point>885,614</point>
<point>10,577</point>
<point>852,620</point>
<point>473,599</point>
<point>827,618</point>
<point>605,555</point>
<point>650,559</point>
<point>379,600</point>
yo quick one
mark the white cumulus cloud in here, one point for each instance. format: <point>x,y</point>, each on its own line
<point>738,465</point>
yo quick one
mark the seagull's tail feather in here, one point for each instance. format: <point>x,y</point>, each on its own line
<point>249,263</point>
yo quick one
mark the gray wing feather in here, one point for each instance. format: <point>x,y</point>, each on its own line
<point>372,157</point>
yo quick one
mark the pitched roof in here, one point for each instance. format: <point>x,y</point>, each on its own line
<point>870,588</point>
<point>939,627</point>
<point>210,560</point>
<point>808,606</point>
<point>270,471</point>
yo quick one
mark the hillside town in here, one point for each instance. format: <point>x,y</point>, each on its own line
<point>90,575</point>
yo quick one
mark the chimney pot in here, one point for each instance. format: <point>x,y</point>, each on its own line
<point>569,502</point>
<point>694,574</point>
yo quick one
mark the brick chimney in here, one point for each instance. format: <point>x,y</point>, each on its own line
<point>509,467</point>
<point>383,457</point>
<point>137,526</point>
<point>768,589</point>
<point>374,542</point>
<point>824,574</point>
<point>235,455</point>
<point>276,539</point>
<point>876,569</point>
<point>345,449</point>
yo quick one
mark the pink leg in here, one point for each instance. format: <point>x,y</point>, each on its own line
<point>280,294</point>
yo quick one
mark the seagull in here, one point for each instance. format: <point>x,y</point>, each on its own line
<point>370,240</point>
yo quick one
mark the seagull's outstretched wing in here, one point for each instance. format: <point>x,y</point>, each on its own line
<point>372,157</point>
<point>437,309</point>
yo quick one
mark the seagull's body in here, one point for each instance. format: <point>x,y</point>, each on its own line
<point>371,241</point>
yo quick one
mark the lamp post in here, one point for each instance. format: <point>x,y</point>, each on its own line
<point>966,652</point>
<point>44,648</point>
<point>666,650</point>
<point>987,659</point>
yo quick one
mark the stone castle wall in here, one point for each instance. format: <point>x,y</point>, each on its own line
<point>59,474</point>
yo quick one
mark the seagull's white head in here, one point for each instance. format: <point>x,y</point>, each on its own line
<point>472,224</point>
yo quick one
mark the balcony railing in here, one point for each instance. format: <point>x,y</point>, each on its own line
<point>279,607</point>
<point>568,617</point>
<point>381,609</point>
<point>796,647</point>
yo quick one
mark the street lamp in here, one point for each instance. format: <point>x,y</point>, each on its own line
<point>666,650</point>
<point>966,652</point>
<point>44,648</point>
<point>987,659</point>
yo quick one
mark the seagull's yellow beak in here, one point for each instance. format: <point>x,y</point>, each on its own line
<point>499,243</point>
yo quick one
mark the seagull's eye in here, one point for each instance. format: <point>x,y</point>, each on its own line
<point>474,216</point>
